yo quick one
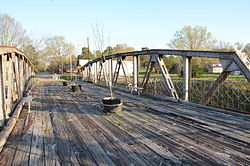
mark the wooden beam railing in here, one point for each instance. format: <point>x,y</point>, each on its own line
<point>15,79</point>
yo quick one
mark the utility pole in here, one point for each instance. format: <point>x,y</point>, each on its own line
<point>62,63</point>
<point>70,63</point>
<point>9,39</point>
<point>88,48</point>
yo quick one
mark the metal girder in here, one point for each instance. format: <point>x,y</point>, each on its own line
<point>187,75</point>
<point>135,71</point>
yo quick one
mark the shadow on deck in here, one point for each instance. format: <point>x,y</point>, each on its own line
<point>67,128</point>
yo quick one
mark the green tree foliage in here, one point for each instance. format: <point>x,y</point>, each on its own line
<point>144,58</point>
<point>86,54</point>
<point>109,50</point>
<point>36,57</point>
<point>193,38</point>
<point>173,63</point>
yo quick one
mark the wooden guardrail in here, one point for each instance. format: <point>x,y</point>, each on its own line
<point>15,79</point>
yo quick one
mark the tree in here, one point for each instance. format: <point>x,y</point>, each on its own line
<point>247,49</point>
<point>36,58</point>
<point>109,50</point>
<point>144,58</point>
<point>86,54</point>
<point>56,48</point>
<point>99,38</point>
<point>224,46</point>
<point>192,38</point>
<point>12,33</point>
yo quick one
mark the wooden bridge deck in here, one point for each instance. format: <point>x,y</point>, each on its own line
<point>67,128</point>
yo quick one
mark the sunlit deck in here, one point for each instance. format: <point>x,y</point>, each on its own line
<point>66,128</point>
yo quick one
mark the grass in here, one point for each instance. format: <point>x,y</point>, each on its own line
<point>67,76</point>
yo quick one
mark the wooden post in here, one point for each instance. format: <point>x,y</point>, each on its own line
<point>187,74</point>
<point>2,94</point>
<point>15,83</point>
<point>21,76</point>
<point>135,71</point>
<point>9,82</point>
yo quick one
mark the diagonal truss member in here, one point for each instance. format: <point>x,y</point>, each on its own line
<point>157,60</point>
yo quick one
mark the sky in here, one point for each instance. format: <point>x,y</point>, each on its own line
<point>137,23</point>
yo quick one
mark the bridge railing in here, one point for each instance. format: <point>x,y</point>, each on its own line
<point>15,79</point>
<point>109,69</point>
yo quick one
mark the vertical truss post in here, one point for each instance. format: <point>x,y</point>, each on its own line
<point>187,74</point>
<point>99,75</point>
<point>92,71</point>
<point>110,65</point>
<point>216,85</point>
<point>89,73</point>
<point>95,72</point>
<point>135,71</point>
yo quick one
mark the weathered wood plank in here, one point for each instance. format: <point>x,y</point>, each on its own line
<point>23,149</point>
<point>74,131</point>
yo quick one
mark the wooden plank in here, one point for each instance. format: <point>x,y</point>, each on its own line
<point>209,131</point>
<point>36,147</point>
<point>64,149</point>
<point>10,148</point>
<point>2,94</point>
<point>23,149</point>
<point>114,138</point>
<point>50,150</point>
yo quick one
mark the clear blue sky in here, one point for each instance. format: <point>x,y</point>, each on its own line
<point>138,23</point>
